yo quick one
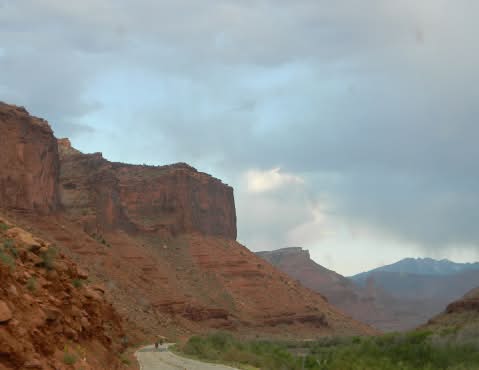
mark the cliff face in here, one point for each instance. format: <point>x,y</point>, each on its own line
<point>297,263</point>
<point>167,200</point>
<point>29,164</point>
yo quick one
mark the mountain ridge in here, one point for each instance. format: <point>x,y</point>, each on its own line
<point>387,300</point>
<point>420,266</point>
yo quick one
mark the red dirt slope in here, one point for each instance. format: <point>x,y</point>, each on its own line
<point>49,313</point>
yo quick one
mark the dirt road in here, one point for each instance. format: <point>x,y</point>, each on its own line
<point>162,359</point>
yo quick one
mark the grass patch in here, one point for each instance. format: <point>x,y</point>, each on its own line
<point>222,347</point>
<point>77,283</point>
<point>99,238</point>
<point>8,253</point>
<point>9,245</point>
<point>32,284</point>
<point>48,258</point>
<point>69,358</point>
<point>125,360</point>
<point>417,350</point>
<point>7,260</point>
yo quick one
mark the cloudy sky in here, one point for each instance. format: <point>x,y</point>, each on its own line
<point>347,127</point>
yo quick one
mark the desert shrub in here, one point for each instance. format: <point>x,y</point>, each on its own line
<point>6,259</point>
<point>77,283</point>
<point>4,227</point>
<point>416,350</point>
<point>223,347</point>
<point>32,284</point>
<point>9,245</point>
<point>69,358</point>
<point>48,258</point>
<point>125,360</point>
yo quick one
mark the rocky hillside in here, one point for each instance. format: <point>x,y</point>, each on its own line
<point>297,263</point>
<point>50,315</point>
<point>367,304</point>
<point>162,240</point>
<point>460,319</point>
<point>387,300</point>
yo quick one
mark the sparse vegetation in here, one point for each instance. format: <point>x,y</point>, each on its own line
<point>69,358</point>
<point>125,360</point>
<point>6,259</point>
<point>4,227</point>
<point>77,283</point>
<point>224,348</point>
<point>416,350</point>
<point>99,238</point>
<point>48,258</point>
<point>32,284</point>
<point>8,253</point>
<point>9,245</point>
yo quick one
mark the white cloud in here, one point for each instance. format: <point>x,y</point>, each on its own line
<point>258,181</point>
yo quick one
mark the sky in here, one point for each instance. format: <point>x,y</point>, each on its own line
<point>346,127</point>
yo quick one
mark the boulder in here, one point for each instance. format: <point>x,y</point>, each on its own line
<point>5,312</point>
<point>24,237</point>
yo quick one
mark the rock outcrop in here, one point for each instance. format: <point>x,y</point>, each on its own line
<point>369,304</point>
<point>49,314</point>
<point>297,263</point>
<point>29,162</point>
<point>460,319</point>
<point>167,200</point>
<point>470,302</point>
<point>410,301</point>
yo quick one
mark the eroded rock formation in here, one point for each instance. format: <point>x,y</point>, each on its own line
<point>29,163</point>
<point>167,200</point>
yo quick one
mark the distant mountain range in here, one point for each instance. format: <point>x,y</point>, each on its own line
<point>423,278</point>
<point>421,266</point>
<point>393,297</point>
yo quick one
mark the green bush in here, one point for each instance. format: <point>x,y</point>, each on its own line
<point>4,227</point>
<point>69,358</point>
<point>417,350</point>
<point>9,245</point>
<point>125,360</point>
<point>77,283</point>
<point>48,258</point>
<point>223,347</point>
<point>32,284</point>
<point>7,259</point>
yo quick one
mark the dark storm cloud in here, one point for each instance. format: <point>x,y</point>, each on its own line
<point>373,103</point>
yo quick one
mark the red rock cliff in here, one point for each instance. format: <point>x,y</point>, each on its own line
<point>164,246</point>
<point>29,162</point>
<point>168,200</point>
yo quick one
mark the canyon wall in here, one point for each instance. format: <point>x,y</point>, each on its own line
<point>29,163</point>
<point>167,200</point>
